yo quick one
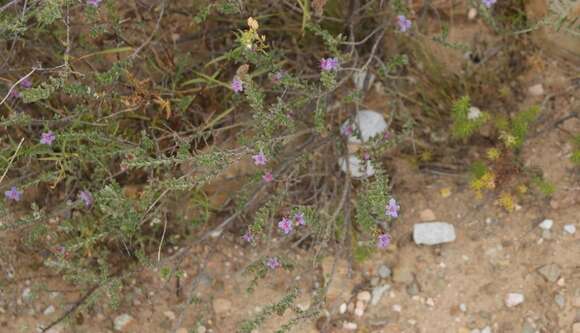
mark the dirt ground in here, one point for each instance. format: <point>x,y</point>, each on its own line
<point>459,287</point>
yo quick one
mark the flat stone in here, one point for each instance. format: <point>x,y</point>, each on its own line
<point>546,224</point>
<point>513,299</point>
<point>123,322</point>
<point>550,272</point>
<point>433,233</point>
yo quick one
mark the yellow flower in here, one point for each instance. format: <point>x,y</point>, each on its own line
<point>507,202</point>
<point>493,154</point>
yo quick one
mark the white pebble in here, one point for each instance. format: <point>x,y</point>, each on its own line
<point>430,302</point>
<point>364,296</point>
<point>487,329</point>
<point>349,326</point>
<point>536,90</point>
<point>472,13</point>
<point>463,307</point>
<point>49,310</point>
<point>342,309</point>
<point>570,229</point>
<point>513,299</point>
<point>546,224</point>
<point>397,308</point>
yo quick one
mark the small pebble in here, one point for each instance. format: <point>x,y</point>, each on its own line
<point>49,310</point>
<point>349,326</point>
<point>359,310</point>
<point>486,329</point>
<point>546,224</point>
<point>536,90</point>
<point>342,308</point>
<point>26,294</point>
<point>384,271</point>
<point>463,307</point>
<point>397,308</point>
<point>378,293</point>
<point>570,229</point>
<point>430,302</point>
<point>514,299</point>
<point>122,322</point>
<point>559,299</point>
<point>427,215</point>
<point>472,13</point>
<point>170,315</point>
<point>364,296</point>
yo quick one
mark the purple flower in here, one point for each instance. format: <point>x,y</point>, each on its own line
<point>273,263</point>
<point>13,194</point>
<point>285,225</point>
<point>392,209</point>
<point>94,3</point>
<point>346,130</point>
<point>26,83</point>
<point>277,77</point>
<point>489,3</point>
<point>404,23</point>
<point>387,135</point>
<point>366,156</point>
<point>47,138</point>
<point>86,197</point>
<point>248,237</point>
<point>15,93</point>
<point>383,241</point>
<point>268,177</point>
<point>329,64</point>
<point>260,158</point>
<point>237,85</point>
<point>299,218</point>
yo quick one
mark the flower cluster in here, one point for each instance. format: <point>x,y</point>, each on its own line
<point>403,23</point>
<point>237,85</point>
<point>287,225</point>
<point>329,64</point>
<point>273,263</point>
<point>489,3</point>
<point>13,194</point>
<point>47,138</point>
<point>392,208</point>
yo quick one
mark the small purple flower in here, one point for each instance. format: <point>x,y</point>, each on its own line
<point>260,158</point>
<point>489,3</point>
<point>47,138</point>
<point>392,209</point>
<point>248,237</point>
<point>94,3</point>
<point>383,241</point>
<point>299,218</point>
<point>404,23</point>
<point>387,135</point>
<point>13,194</point>
<point>366,156</point>
<point>277,77</point>
<point>26,83</point>
<point>346,130</point>
<point>86,197</point>
<point>15,93</point>
<point>273,263</point>
<point>329,64</point>
<point>268,177</point>
<point>237,85</point>
<point>285,225</point>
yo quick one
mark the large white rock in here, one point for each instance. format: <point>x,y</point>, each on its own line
<point>356,167</point>
<point>370,123</point>
<point>433,233</point>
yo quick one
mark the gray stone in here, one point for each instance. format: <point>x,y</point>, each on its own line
<point>433,233</point>
<point>384,272</point>
<point>546,224</point>
<point>49,310</point>
<point>378,293</point>
<point>560,300</point>
<point>514,299</point>
<point>550,272</point>
<point>413,289</point>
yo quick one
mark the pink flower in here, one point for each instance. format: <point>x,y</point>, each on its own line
<point>86,197</point>
<point>260,159</point>
<point>489,3</point>
<point>387,135</point>
<point>299,218</point>
<point>94,3</point>
<point>47,138</point>
<point>392,209</point>
<point>237,85</point>
<point>383,241</point>
<point>404,23</point>
<point>329,64</point>
<point>26,83</point>
<point>285,225</point>
<point>268,177</point>
<point>273,263</point>
<point>346,130</point>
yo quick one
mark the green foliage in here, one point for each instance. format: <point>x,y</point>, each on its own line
<point>371,202</point>
<point>466,120</point>
<point>575,158</point>
<point>268,311</point>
